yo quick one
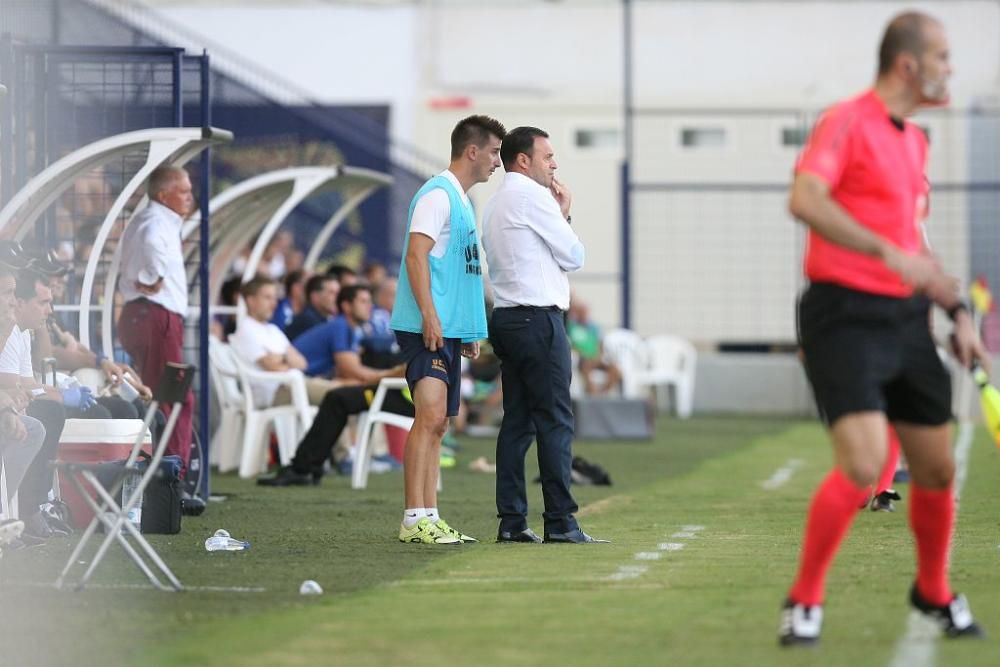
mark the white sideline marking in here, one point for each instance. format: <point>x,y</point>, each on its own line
<point>671,546</point>
<point>684,535</point>
<point>782,474</point>
<point>628,572</point>
<point>136,587</point>
<point>648,555</point>
<point>693,529</point>
<point>918,645</point>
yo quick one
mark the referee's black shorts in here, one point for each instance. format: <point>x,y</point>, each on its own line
<point>866,352</point>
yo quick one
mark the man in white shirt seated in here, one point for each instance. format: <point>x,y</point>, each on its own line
<point>259,342</point>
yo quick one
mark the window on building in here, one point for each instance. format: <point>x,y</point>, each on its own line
<point>703,137</point>
<point>794,136</point>
<point>603,137</point>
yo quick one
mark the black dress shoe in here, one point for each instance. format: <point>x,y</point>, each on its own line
<point>192,505</point>
<point>35,526</point>
<point>575,536</point>
<point>527,535</point>
<point>288,476</point>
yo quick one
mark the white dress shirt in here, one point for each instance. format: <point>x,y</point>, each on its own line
<point>432,215</point>
<point>529,245</point>
<point>151,249</point>
<point>253,340</point>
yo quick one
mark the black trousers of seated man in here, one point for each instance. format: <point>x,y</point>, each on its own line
<point>337,406</point>
<point>37,481</point>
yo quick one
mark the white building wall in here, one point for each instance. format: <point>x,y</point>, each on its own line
<point>559,66</point>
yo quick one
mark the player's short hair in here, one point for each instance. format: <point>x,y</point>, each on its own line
<point>163,179</point>
<point>519,140</point>
<point>315,284</point>
<point>349,293</point>
<point>27,280</point>
<point>475,130</point>
<point>904,34</point>
<point>255,285</point>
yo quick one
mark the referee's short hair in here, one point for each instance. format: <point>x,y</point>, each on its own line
<point>519,140</point>
<point>904,34</point>
<point>162,179</point>
<point>475,130</point>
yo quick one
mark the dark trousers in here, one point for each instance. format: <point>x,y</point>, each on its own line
<point>38,480</point>
<point>153,335</point>
<point>337,406</point>
<point>535,362</point>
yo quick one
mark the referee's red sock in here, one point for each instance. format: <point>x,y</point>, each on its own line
<point>891,461</point>
<point>833,508</point>
<point>932,518</point>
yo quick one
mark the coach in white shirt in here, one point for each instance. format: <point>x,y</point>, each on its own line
<point>530,247</point>
<point>154,284</point>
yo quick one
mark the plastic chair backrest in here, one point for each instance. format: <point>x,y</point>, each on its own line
<point>626,349</point>
<point>670,356</point>
<point>225,373</point>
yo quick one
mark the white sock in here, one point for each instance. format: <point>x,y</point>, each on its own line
<point>412,515</point>
<point>432,514</point>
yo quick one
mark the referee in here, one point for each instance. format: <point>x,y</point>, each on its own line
<point>530,247</point>
<point>861,189</point>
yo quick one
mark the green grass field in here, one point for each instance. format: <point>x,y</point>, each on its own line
<point>713,601</point>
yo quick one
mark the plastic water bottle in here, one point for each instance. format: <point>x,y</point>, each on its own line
<point>129,486</point>
<point>225,543</point>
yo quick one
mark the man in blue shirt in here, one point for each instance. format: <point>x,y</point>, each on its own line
<point>333,349</point>
<point>294,300</point>
<point>321,305</point>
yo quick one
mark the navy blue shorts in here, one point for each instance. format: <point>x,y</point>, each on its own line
<point>445,364</point>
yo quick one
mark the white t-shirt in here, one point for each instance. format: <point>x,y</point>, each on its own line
<point>15,358</point>
<point>252,341</point>
<point>432,215</point>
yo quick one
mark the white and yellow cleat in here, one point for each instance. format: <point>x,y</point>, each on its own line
<point>425,532</point>
<point>448,530</point>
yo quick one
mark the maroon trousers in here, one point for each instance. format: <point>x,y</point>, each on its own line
<point>153,335</point>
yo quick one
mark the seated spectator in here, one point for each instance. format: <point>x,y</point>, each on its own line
<point>259,342</point>
<point>294,300</point>
<point>321,305</point>
<point>45,404</point>
<point>223,324</point>
<point>273,263</point>
<point>21,439</point>
<point>374,273</point>
<point>334,349</point>
<point>585,338</point>
<point>345,275</point>
<point>51,341</point>
<point>378,340</point>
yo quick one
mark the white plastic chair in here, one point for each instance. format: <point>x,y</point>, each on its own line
<point>671,366</point>
<point>225,448</point>
<point>289,421</point>
<point>367,421</point>
<point>626,349</point>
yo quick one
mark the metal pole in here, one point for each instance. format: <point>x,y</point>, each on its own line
<point>6,122</point>
<point>203,321</point>
<point>626,233</point>
<point>178,92</point>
